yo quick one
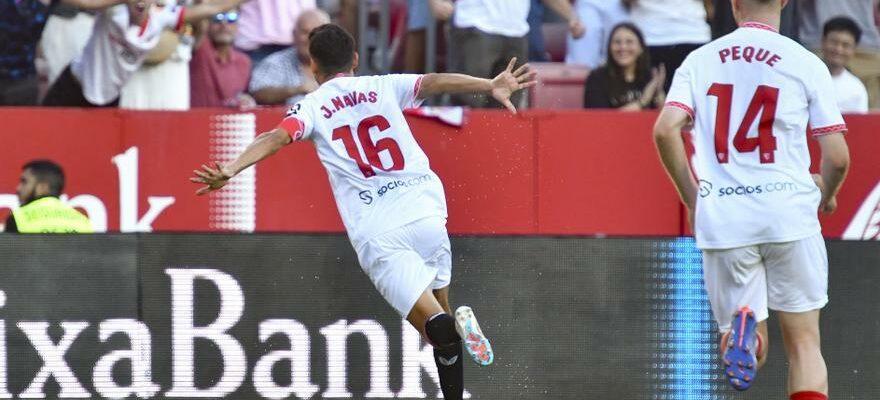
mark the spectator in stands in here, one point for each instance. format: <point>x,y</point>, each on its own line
<point>840,37</point>
<point>488,33</point>
<point>219,73</point>
<point>162,81</point>
<point>420,13</point>
<point>865,63</point>
<point>265,26</point>
<point>627,82</point>
<point>536,21</point>
<point>21,24</point>
<point>722,21</point>
<point>599,16</point>
<point>672,28</point>
<point>65,36</point>
<point>40,210</point>
<point>284,77</point>
<point>123,36</point>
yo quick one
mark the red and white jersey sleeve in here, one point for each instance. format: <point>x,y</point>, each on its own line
<point>825,113</point>
<point>381,178</point>
<point>752,95</point>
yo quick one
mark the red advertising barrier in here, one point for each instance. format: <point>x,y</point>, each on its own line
<point>536,173</point>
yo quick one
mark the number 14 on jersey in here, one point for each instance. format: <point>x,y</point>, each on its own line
<point>763,101</point>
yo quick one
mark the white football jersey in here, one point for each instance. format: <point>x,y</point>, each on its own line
<point>752,95</point>
<point>380,176</point>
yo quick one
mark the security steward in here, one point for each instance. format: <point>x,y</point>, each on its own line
<point>41,211</point>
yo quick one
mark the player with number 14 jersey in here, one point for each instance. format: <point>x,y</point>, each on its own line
<point>749,99</point>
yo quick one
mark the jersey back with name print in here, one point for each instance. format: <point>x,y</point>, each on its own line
<point>380,177</point>
<point>752,96</point>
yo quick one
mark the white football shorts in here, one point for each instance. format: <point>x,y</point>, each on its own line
<point>402,263</point>
<point>789,277</point>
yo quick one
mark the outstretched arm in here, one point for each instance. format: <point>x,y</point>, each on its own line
<point>501,87</point>
<point>216,176</point>
<point>670,146</point>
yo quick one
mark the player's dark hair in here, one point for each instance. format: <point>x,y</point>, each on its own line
<point>48,172</point>
<point>616,78</point>
<point>843,24</point>
<point>331,48</point>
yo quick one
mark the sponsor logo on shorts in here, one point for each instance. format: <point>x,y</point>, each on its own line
<point>749,190</point>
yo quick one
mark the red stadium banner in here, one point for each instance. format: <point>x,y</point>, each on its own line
<point>536,173</point>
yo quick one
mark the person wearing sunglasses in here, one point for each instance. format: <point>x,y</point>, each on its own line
<point>219,73</point>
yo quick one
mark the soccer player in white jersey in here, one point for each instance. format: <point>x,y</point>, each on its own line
<point>391,203</point>
<point>748,99</point>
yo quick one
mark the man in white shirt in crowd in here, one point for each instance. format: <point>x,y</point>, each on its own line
<point>672,29</point>
<point>840,38</point>
<point>599,17</point>
<point>488,33</point>
<point>865,64</point>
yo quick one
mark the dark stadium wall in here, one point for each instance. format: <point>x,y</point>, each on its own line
<point>536,173</point>
<point>291,316</point>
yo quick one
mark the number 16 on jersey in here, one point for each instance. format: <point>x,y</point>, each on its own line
<point>370,149</point>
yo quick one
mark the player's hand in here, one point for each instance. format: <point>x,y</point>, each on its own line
<point>213,177</point>
<point>509,82</point>
<point>828,204</point>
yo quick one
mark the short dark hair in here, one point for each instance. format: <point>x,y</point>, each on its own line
<point>48,172</point>
<point>331,48</point>
<point>844,24</point>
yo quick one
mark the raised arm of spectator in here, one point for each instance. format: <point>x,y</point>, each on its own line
<point>204,10</point>
<point>92,4</point>
<point>564,9</point>
<point>501,87</point>
<point>199,31</point>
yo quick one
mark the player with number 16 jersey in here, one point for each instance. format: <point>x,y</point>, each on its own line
<point>391,202</point>
<point>380,177</point>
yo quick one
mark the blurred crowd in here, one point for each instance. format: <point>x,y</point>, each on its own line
<point>162,54</point>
